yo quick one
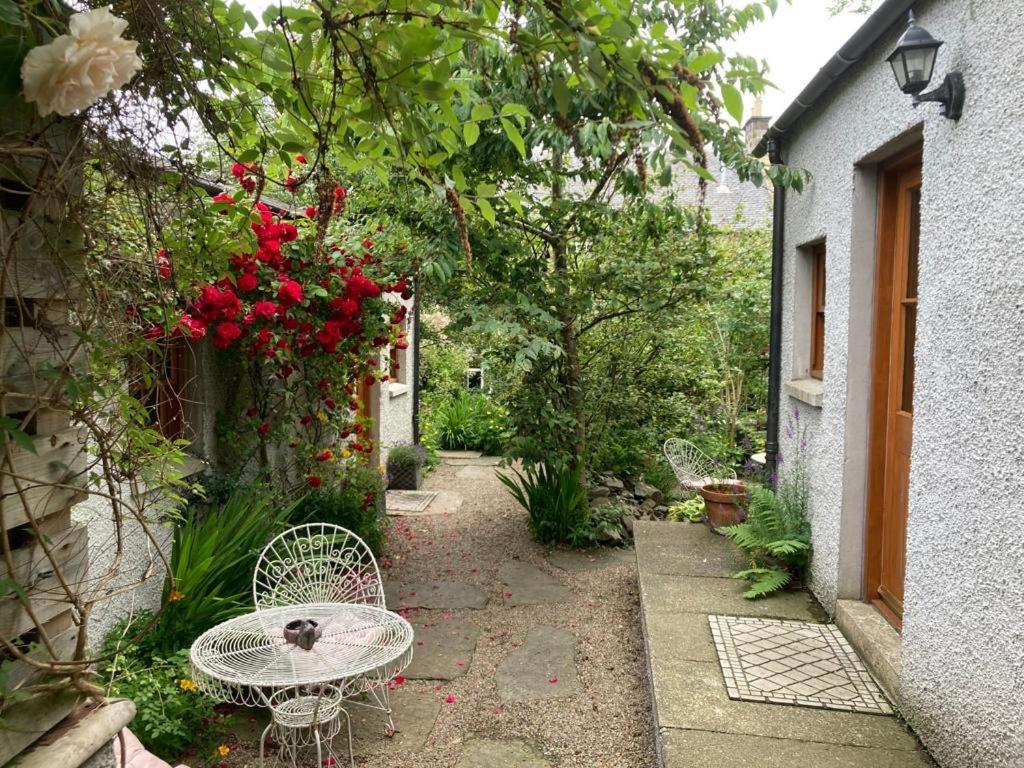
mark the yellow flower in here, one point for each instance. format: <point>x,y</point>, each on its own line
<point>223,750</point>
<point>346,453</point>
<point>321,416</point>
<point>176,596</point>
<point>188,685</point>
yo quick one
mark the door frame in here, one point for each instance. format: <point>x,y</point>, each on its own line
<point>887,239</point>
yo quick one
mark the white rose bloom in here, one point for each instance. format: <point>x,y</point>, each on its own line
<point>78,69</point>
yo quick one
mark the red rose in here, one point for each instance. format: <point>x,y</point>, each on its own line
<point>226,333</point>
<point>153,333</point>
<point>310,212</point>
<point>238,170</point>
<point>262,429</point>
<point>313,481</point>
<point>264,309</point>
<point>291,183</point>
<point>252,411</point>
<point>196,327</point>
<point>247,282</point>
<point>289,294</point>
<point>306,420</point>
<point>163,264</point>
<point>325,455</point>
<point>300,159</point>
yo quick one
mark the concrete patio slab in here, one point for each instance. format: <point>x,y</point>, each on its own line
<point>691,695</point>
<point>443,650</point>
<point>701,749</point>
<point>584,560</point>
<point>687,549</point>
<point>692,594</point>
<point>543,668</point>
<point>459,454</point>
<point>489,753</point>
<point>526,584</point>
<point>696,723</point>
<point>434,595</point>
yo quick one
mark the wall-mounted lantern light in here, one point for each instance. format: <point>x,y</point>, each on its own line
<point>913,61</point>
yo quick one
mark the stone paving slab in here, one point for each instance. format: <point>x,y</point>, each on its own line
<point>703,749</point>
<point>434,595</point>
<point>489,753</point>
<point>543,668</point>
<point>526,584</point>
<point>691,695</point>
<point>686,549</point>
<point>475,472</point>
<point>459,454</point>
<point>584,560</point>
<point>473,461</point>
<point>443,650</point>
<point>415,713</point>
<point>443,503</point>
<point>692,594</point>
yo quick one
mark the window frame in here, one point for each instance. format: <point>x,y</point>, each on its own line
<point>819,266</point>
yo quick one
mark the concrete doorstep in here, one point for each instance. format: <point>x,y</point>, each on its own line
<point>685,574</point>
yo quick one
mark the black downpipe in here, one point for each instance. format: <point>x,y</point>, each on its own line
<point>771,443</point>
<point>416,362</point>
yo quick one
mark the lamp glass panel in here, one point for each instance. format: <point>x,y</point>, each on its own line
<point>898,69</point>
<point>919,63</point>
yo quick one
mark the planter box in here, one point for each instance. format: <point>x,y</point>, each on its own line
<point>405,478</point>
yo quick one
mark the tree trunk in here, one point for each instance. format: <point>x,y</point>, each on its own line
<point>569,371</point>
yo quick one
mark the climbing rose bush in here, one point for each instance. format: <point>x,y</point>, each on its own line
<point>76,70</point>
<point>308,312</point>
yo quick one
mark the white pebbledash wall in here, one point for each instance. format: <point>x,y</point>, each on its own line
<point>962,678</point>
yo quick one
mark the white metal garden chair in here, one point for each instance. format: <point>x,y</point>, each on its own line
<point>694,468</point>
<point>323,563</point>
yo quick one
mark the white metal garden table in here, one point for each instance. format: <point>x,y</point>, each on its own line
<point>248,660</point>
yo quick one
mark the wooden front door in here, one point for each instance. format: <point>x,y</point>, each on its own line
<point>893,384</point>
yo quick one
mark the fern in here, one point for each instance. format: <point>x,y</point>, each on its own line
<point>775,536</point>
<point>764,581</point>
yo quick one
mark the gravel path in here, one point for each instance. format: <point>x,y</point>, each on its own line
<point>607,723</point>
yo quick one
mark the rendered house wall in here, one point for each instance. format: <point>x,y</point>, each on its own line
<point>962,683</point>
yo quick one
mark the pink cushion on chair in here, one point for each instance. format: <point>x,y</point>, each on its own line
<point>135,755</point>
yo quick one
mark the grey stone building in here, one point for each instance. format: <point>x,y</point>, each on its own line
<point>898,366</point>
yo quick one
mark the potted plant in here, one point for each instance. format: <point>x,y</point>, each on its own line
<point>724,502</point>
<point>405,467</point>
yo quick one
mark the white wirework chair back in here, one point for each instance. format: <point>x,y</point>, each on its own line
<point>317,563</point>
<point>693,468</point>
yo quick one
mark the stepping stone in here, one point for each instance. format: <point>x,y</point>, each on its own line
<point>489,753</point>
<point>527,584</point>
<point>440,503</point>
<point>415,713</point>
<point>459,454</point>
<point>470,461</point>
<point>439,648</point>
<point>434,595</point>
<point>544,668</point>
<point>583,560</point>
<point>475,473</point>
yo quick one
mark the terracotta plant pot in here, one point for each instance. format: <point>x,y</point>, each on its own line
<point>724,502</point>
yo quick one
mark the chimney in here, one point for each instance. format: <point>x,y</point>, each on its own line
<point>756,126</point>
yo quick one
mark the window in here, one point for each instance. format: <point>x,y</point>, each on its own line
<point>398,358</point>
<point>817,364</point>
<point>160,388</point>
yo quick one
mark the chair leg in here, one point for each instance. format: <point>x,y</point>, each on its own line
<point>389,727</point>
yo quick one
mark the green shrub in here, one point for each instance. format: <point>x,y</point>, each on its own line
<point>171,714</point>
<point>468,422</point>
<point>352,504</point>
<point>213,554</point>
<point>775,536</point>
<point>552,494</point>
